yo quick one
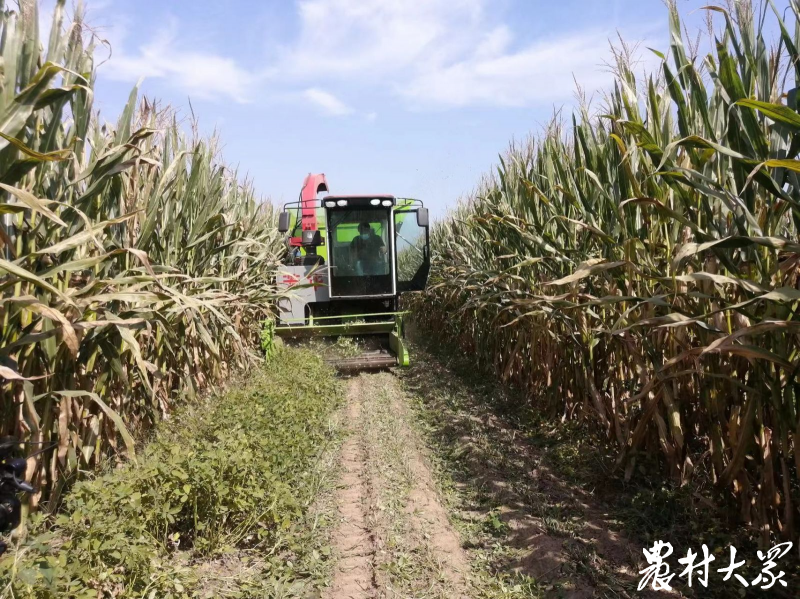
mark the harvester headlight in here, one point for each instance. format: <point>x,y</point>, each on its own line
<point>341,202</point>
<point>375,202</point>
<point>387,202</point>
<point>330,204</point>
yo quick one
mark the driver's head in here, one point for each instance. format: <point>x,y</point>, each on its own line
<point>364,229</point>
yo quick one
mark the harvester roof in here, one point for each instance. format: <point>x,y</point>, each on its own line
<point>375,196</point>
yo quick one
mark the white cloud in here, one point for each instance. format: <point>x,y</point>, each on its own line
<point>544,72</point>
<point>362,37</point>
<point>428,53</point>
<point>329,103</point>
<point>198,73</point>
<point>439,53</point>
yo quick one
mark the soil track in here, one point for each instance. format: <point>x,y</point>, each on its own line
<point>463,506</point>
<point>393,536</point>
<point>525,523</point>
<point>353,541</point>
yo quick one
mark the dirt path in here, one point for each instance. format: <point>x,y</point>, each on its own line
<point>393,537</point>
<point>353,541</point>
<point>441,498</point>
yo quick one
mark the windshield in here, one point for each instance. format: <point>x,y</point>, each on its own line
<point>360,251</point>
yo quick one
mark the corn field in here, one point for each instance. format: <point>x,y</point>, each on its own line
<point>134,266</point>
<point>637,267</point>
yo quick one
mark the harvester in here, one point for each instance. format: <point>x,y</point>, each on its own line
<point>349,260</point>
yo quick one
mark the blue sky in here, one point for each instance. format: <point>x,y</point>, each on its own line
<point>410,97</point>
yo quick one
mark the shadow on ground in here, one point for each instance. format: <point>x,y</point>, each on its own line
<point>543,499</point>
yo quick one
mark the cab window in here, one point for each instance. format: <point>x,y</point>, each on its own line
<point>360,252</point>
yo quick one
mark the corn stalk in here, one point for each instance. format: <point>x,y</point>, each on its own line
<point>134,266</point>
<point>638,269</point>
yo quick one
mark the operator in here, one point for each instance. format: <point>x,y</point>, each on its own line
<point>368,251</point>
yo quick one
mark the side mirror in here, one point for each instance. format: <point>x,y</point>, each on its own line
<point>422,217</point>
<point>283,222</point>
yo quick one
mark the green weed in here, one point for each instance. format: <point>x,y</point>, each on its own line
<point>268,343</point>
<point>233,474</point>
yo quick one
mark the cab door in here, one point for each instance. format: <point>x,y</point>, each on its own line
<point>412,250</point>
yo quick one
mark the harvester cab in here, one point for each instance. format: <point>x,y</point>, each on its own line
<point>349,260</point>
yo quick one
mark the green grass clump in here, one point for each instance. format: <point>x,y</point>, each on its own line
<point>234,473</point>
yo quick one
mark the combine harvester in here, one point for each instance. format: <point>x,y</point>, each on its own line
<point>350,259</point>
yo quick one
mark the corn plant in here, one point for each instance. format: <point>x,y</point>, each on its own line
<point>638,267</point>
<point>135,267</point>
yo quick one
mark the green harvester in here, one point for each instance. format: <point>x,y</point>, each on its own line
<point>349,260</point>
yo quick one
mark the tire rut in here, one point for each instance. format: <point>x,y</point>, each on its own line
<point>353,541</point>
<point>394,538</point>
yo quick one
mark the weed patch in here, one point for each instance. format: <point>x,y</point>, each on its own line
<point>232,476</point>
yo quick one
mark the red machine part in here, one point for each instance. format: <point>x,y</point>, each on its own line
<point>290,279</point>
<point>308,198</point>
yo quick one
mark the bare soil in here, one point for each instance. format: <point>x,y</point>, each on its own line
<point>353,541</point>
<point>394,537</point>
<point>439,497</point>
<point>526,525</point>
